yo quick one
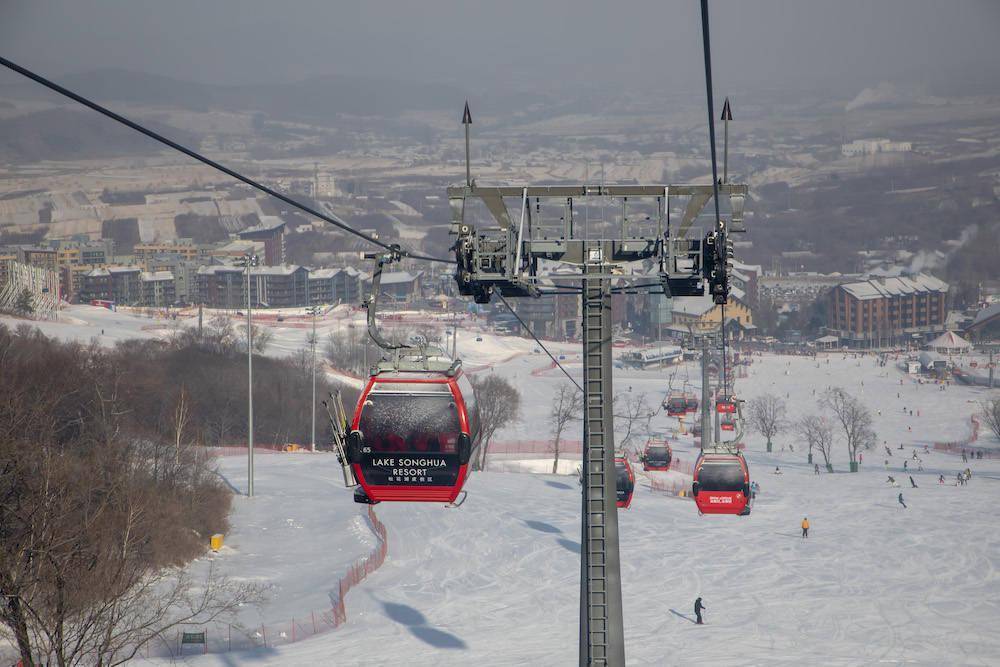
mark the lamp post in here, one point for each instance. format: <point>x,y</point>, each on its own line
<point>314,311</point>
<point>249,261</point>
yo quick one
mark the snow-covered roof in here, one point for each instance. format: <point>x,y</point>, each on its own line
<point>693,305</point>
<point>949,340</point>
<point>282,270</point>
<point>124,269</point>
<point>890,287</point>
<point>151,276</point>
<point>986,313</point>
<point>699,305</point>
<point>827,339</point>
<point>267,223</point>
<point>399,277</point>
<point>747,268</point>
<point>323,274</point>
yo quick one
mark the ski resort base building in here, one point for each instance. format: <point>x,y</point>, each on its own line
<point>890,311</point>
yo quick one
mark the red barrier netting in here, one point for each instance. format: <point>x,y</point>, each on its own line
<point>959,447</point>
<point>225,637</point>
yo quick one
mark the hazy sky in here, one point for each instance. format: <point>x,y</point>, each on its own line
<point>790,44</point>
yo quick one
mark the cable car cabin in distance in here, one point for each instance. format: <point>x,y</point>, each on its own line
<point>725,407</point>
<point>721,484</point>
<point>676,405</point>
<point>727,424</point>
<point>657,456</point>
<point>414,433</point>
<point>625,482</point>
<point>691,403</point>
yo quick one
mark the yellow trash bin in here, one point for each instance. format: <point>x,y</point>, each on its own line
<point>216,542</point>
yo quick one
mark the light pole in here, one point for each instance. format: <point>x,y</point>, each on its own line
<point>249,261</point>
<point>314,311</point>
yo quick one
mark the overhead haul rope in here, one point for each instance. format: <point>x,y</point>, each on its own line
<point>720,239</point>
<point>540,343</point>
<point>332,219</point>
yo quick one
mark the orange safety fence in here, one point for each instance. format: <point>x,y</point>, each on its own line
<point>959,447</point>
<point>225,637</point>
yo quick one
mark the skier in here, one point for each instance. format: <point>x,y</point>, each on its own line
<point>805,527</point>
<point>905,464</point>
<point>777,470</point>
<point>940,479</point>
<point>912,483</point>
<point>816,468</point>
<point>901,500</point>
<point>891,480</point>
<point>698,606</point>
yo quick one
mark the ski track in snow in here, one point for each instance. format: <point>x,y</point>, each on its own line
<point>496,582</point>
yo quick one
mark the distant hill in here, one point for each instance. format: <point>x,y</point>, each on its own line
<point>61,134</point>
<point>311,99</point>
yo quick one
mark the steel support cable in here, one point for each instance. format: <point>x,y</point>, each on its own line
<point>540,343</point>
<point>720,241</point>
<point>333,220</point>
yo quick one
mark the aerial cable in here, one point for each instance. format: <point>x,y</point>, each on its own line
<point>540,343</point>
<point>332,219</point>
<point>720,240</point>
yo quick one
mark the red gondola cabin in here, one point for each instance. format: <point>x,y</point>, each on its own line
<point>691,404</point>
<point>625,485</point>
<point>414,434</point>
<point>725,407</point>
<point>721,484</point>
<point>657,456</point>
<point>676,405</point>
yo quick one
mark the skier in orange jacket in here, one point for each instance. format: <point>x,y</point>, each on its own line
<point>805,527</point>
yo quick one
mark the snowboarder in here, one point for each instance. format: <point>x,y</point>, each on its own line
<point>777,470</point>
<point>912,483</point>
<point>805,527</point>
<point>891,480</point>
<point>901,500</point>
<point>940,479</point>
<point>698,606</point>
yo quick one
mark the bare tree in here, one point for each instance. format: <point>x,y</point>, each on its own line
<point>817,431</point>
<point>261,338</point>
<point>630,408</point>
<point>346,352</point>
<point>990,412</point>
<point>182,416</point>
<point>100,501</point>
<point>567,406</point>
<point>499,404</point>
<point>855,420</point>
<point>767,416</point>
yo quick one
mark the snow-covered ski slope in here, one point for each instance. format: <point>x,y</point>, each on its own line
<point>495,582</point>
